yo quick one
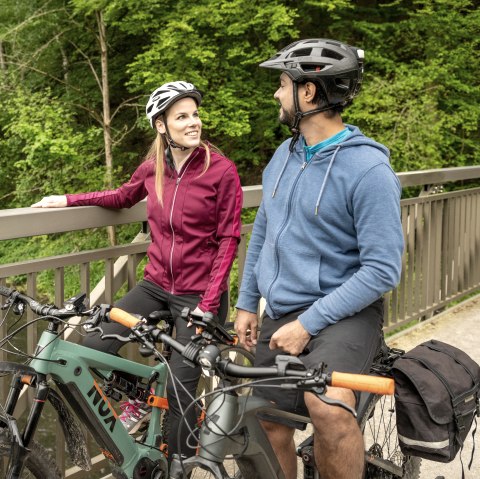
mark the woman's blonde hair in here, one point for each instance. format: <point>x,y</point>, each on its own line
<point>157,153</point>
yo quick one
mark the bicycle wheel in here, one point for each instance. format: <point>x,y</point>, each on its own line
<point>385,460</point>
<point>39,464</point>
<point>237,355</point>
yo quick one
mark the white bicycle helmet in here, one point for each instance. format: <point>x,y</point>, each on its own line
<point>166,95</point>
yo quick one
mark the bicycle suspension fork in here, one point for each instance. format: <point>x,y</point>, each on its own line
<point>23,440</point>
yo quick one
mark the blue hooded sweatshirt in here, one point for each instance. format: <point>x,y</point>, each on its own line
<point>328,234</point>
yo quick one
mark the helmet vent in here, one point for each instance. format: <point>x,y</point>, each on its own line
<point>331,54</point>
<point>304,52</point>
<point>308,67</point>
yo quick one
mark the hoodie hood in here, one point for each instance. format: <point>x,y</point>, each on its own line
<point>356,138</point>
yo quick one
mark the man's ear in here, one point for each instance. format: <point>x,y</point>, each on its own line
<point>160,126</point>
<point>309,91</point>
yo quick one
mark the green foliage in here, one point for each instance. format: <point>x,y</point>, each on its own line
<point>420,96</point>
<point>48,154</point>
<point>217,45</point>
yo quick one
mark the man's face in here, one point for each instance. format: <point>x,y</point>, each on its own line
<point>284,96</point>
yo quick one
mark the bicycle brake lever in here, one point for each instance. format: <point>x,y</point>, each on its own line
<point>92,329</point>
<point>123,339</point>
<point>335,402</point>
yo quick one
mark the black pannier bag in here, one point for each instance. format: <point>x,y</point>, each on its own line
<point>437,399</point>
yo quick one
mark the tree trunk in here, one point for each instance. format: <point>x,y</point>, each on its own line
<point>107,134</point>
<point>3,66</point>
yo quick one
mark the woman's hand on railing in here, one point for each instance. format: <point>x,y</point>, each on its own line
<point>54,201</point>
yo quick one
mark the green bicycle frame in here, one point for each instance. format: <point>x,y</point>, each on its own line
<point>70,365</point>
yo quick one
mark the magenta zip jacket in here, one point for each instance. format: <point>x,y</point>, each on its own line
<point>195,233</point>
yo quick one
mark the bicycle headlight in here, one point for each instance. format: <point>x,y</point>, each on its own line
<point>208,357</point>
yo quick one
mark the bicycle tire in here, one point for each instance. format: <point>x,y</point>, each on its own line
<point>238,355</point>
<point>379,428</point>
<point>39,463</point>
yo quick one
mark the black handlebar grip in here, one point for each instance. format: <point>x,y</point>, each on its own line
<point>4,291</point>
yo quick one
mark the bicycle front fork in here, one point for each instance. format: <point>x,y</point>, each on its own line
<point>21,441</point>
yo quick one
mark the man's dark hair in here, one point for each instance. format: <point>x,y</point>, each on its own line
<point>321,100</point>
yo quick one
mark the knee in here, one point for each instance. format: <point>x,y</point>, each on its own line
<point>325,416</point>
<point>280,436</point>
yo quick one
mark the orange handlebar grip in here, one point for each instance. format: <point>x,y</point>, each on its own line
<point>122,317</point>
<point>363,382</point>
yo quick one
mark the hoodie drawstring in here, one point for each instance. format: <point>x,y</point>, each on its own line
<point>281,174</point>
<point>325,180</point>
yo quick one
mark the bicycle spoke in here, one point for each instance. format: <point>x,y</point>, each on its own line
<point>384,456</point>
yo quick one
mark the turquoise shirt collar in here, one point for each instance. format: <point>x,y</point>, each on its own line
<point>337,138</point>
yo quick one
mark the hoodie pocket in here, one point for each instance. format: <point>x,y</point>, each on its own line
<point>302,271</point>
<point>265,268</point>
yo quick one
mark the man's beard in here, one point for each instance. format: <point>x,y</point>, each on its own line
<point>286,117</point>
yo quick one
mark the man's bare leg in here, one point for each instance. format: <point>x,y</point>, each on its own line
<point>281,438</point>
<point>338,441</point>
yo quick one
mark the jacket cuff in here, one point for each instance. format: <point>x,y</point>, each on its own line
<point>248,302</point>
<point>312,321</point>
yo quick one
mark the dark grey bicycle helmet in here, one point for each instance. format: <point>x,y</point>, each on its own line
<point>338,67</point>
<point>335,66</point>
<point>163,97</point>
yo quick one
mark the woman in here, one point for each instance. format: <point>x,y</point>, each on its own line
<point>194,200</point>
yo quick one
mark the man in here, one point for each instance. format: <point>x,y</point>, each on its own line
<point>326,245</point>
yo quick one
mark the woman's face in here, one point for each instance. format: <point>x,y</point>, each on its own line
<point>184,124</point>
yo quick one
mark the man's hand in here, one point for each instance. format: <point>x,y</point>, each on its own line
<point>291,338</point>
<point>54,201</point>
<point>246,325</point>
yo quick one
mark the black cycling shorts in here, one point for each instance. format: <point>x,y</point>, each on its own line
<point>350,345</point>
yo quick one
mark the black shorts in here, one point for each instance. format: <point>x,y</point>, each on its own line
<point>347,346</point>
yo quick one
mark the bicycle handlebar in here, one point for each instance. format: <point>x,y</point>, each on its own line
<point>35,306</point>
<point>357,382</point>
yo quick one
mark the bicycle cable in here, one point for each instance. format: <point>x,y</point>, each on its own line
<point>29,357</point>
<point>249,385</point>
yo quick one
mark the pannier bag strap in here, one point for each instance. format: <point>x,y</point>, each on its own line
<point>473,447</point>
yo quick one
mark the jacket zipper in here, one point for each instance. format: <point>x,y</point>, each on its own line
<point>284,224</point>
<point>172,289</point>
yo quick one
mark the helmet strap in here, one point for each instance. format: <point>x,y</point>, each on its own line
<point>299,115</point>
<point>170,141</point>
